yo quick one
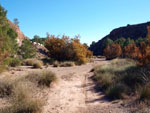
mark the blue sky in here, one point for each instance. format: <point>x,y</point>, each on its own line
<point>92,19</point>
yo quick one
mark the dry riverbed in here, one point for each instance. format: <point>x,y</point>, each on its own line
<point>72,93</point>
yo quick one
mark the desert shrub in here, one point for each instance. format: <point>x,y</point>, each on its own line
<point>22,102</point>
<point>116,91</point>
<point>48,61</point>
<point>132,78</point>
<point>112,51</point>
<point>66,49</point>
<point>33,62</point>
<point>108,77</point>
<point>67,64</point>
<point>2,68</point>
<point>29,62</point>
<point>145,93</point>
<point>47,78</point>
<point>37,64</point>
<point>42,78</point>
<point>55,64</point>
<point>6,87</point>
<point>103,80</point>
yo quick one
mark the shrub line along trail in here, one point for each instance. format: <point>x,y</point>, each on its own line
<point>74,93</point>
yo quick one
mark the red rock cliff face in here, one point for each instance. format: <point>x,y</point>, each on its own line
<point>21,36</point>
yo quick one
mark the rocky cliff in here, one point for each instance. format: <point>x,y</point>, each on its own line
<point>129,31</point>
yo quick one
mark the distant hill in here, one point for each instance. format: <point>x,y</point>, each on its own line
<point>21,36</point>
<point>129,31</point>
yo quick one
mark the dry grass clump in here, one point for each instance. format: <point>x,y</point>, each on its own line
<point>108,77</point>
<point>63,64</point>
<point>28,62</point>
<point>122,77</point>
<point>103,80</point>
<point>55,64</point>
<point>43,78</point>
<point>37,64</point>
<point>117,91</point>
<point>67,64</point>
<point>6,87</point>
<point>22,101</point>
<point>33,62</point>
<point>145,93</point>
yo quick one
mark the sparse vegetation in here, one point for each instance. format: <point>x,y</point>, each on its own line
<point>22,101</point>
<point>56,64</point>
<point>121,77</point>
<point>44,77</point>
<point>117,91</point>
<point>6,87</point>
<point>63,64</point>
<point>145,93</point>
<point>37,64</point>
<point>33,62</point>
<point>67,64</point>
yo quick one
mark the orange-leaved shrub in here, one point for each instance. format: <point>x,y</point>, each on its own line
<point>131,51</point>
<point>112,51</point>
<point>144,56</point>
<point>67,49</point>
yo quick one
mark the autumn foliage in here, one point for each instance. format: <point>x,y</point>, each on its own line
<point>67,49</point>
<point>138,51</point>
<point>131,51</point>
<point>144,57</point>
<point>113,51</point>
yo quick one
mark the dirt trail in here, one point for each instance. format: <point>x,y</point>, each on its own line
<point>74,93</point>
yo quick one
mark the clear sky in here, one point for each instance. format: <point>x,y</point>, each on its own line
<point>92,19</point>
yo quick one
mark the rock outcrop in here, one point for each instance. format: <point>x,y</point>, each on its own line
<point>129,31</point>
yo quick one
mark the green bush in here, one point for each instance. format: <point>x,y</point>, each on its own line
<point>27,50</point>
<point>116,91</point>
<point>13,62</point>
<point>8,42</point>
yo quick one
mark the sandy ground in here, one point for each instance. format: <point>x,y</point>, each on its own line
<point>73,92</point>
